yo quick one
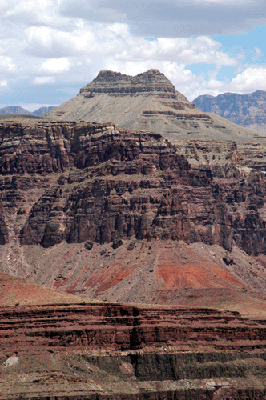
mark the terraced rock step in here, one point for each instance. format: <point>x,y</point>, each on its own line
<point>115,351</point>
<point>121,327</point>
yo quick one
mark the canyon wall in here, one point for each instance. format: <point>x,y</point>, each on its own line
<point>89,182</point>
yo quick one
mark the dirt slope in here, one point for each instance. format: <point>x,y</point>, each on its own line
<point>16,291</point>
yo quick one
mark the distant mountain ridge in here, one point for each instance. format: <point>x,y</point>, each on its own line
<point>20,110</point>
<point>243,109</point>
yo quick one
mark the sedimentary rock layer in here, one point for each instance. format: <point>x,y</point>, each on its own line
<point>116,351</point>
<point>3,227</point>
<point>124,327</point>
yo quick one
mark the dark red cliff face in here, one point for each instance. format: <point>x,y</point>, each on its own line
<point>100,184</point>
<point>3,227</point>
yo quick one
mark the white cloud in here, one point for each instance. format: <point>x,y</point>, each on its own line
<point>249,80</point>
<point>49,42</point>
<point>3,83</point>
<point>258,54</point>
<point>56,65</point>
<point>117,41</point>
<point>6,64</point>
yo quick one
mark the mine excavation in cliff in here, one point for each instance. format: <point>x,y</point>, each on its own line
<point>132,262</point>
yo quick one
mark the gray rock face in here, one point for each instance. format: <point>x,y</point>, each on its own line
<point>243,109</point>
<point>111,82</point>
<point>147,101</point>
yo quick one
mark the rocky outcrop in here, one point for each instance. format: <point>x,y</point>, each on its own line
<point>243,109</point>
<point>152,81</point>
<point>125,327</point>
<point>160,198</point>
<point>147,101</point>
<point>116,213</point>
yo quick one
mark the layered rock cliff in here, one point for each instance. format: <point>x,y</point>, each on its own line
<point>124,183</point>
<point>115,83</point>
<point>3,227</point>
<point>147,101</point>
<point>87,351</point>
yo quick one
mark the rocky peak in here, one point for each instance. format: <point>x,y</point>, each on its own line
<point>114,82</point>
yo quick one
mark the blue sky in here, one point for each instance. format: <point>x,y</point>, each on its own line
<point>49,49</point>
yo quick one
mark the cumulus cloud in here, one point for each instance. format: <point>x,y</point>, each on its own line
<point>116,40</point>
<point>249,80</point>
<point>56,65</point>
<point>43,41</point>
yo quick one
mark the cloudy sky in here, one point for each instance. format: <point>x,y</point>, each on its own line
<point>49,49</point>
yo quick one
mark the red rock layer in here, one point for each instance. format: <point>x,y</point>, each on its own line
<point>121,327</point>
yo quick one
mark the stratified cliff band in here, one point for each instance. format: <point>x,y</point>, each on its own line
<point>119,183</point>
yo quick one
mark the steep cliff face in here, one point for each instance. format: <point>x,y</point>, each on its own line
<point>121,215</point>
<point>125,183</point>
<point>243,109</point>
<point>3,227</point>
<point>119,183</point>
<point>152,81</point>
